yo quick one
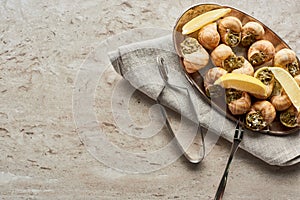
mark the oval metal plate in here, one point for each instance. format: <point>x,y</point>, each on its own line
<point>196,79</point>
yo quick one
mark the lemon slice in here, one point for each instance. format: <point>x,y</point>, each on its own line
<point>242,82</point>
<point>204,19</point>
<point>289,85</point>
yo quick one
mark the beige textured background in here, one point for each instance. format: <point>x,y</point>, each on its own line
<point>42,45</point>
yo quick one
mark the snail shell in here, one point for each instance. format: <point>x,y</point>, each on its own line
<point>233,63</point>
<point>286,58</point>
<point>239,103</point>
<point>261,114</point>
<point>246,68</point>
<point>209,37</point>
<point>195,56</point>
<point>212,75</point>
<point>281,102</point>
<point>290,117</point>
<point>251,32</point>
<point>260,52</point>
<point>230,29</point>
<point>267,78</point>
<point>221,53</point>
<point>267,110</point>
<point>191,67</point>
<point>223,56</point>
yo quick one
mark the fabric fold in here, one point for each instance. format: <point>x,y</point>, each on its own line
<point>137,64</point>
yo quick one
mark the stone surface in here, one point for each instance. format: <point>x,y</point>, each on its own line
<point>43,45</point>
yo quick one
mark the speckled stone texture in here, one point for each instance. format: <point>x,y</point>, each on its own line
<point>42,47</point>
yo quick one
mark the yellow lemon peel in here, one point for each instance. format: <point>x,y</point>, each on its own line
<point>242,82</point>
<point>204,19</point>
<point>289,85</point>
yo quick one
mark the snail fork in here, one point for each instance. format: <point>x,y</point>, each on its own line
<point>238,136</point>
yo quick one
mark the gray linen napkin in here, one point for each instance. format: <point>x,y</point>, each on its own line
<point>137,64</point>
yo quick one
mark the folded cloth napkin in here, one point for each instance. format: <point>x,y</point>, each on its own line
<point>137,63</point>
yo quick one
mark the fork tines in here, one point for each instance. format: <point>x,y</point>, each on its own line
<point>239,131</point>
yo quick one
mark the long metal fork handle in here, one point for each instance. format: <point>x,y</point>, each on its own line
<point>238,136</point>
<point>222,185</point>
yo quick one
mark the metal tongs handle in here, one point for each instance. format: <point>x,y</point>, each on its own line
<point>163,70</point>
<point>191,155</point>
<point>238,136</point>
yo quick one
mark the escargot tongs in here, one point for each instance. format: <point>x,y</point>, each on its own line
<point>194,153</point>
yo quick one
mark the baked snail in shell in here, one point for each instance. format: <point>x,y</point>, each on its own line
<point>290,117</point>
<point>223,56</point>
<point>209,79</point>
<point>261,52</point>
<point>286,58</point>
<point>251,32</point>
<point>280,99</point>
<point>265,75</point>
<point>209,36</point>
<point>230,29</point>
<point>246,67</point>
<point>220,54</point>
<point>195,57</point>
<point>281,102</point>
<point>239,102</point>
<point>261,114</point>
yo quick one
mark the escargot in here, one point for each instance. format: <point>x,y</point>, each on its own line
<point>261,114</point>
<point>209,79</point>
<point>281,101</point>
<point>209,36</point>
<point>286,58</point>
<point>290,117</point>
<point>223,56</point>
<point>230,29</point>
<point>251,32</point>
<point>220,54</point>
<point>265,75</point>
<point>246,67</point>
<point>195,57</point>
<point>260,52</point>
<point>239,102</point>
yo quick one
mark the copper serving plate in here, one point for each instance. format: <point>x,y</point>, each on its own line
<point>196,79</point>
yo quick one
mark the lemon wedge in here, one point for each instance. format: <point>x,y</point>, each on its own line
<point>204,19</point>
<point>242,82</point>
<point>289,85</point>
